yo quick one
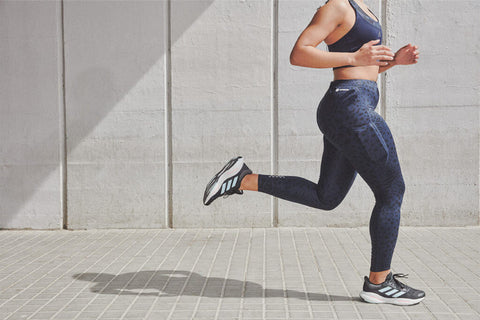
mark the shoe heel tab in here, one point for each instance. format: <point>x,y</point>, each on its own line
<point>366,283</point>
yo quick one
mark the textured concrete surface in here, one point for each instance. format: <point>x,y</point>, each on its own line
<point>224,102</point>
<point>433,109</point>
<point>30,98</point>
<point>114,88</point>
<point>282,273</point>
<point>221,70</point>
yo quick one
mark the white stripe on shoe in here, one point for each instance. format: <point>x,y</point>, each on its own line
<point>384,289</point>
<point>225,175</point>
<point>223,188</point>
<point>389,293</point>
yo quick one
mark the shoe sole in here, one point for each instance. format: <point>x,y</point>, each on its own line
<point>229,170</point>
<point>371,297</point>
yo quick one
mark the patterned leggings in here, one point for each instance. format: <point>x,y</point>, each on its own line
<point>356,139</point>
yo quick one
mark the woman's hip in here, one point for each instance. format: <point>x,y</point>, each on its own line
<point>347,104</point>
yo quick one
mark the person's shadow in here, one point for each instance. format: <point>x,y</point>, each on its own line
<point>178,282</point>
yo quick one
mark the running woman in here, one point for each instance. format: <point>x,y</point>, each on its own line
<point>356,138</point>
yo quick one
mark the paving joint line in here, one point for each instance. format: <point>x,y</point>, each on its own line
<point>19,253</point>
<point>50,285</point>
<point>282,271</point>
<point>336,269</point>
<point>301,274</point>
<point>247,260</point>
<point>190,275</point>
<point>315,260</point>
<point>174,269</point>
<point>207,277</point>
<point>98,275</point>
<point>86,285</point>
<point>227,272</point>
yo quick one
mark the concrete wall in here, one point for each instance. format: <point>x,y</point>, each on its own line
<point>115,102</point>
<point>221,78</point>
<point>434,111</point>
<point>136,131</point>
<point>30,109</point>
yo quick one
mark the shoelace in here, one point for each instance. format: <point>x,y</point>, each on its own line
<point>400,275</point>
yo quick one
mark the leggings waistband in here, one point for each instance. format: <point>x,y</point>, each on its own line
<point>354,83</point>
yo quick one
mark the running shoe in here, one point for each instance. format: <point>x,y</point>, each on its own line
<point>391,291</point>
<point>227,181</point>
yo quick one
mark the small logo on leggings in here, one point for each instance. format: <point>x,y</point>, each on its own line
<point>339,89</point>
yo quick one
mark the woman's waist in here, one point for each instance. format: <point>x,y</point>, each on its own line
<point>349,73</point>
<point>360,86</point>
<point>360,92</point>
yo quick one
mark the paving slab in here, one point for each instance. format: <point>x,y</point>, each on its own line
<point>261,273</point>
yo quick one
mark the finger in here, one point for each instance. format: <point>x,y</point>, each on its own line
<point>382,47</point>
<point>382,63</point>
<point>385,53</point>
<point>379,52</point>
<point>384,57</point>
<point>372,43</point>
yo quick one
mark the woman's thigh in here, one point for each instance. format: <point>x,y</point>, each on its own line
<point>336,174</point>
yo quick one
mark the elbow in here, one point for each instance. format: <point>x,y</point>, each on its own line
<point>294,58</point>
<point>300,56</point>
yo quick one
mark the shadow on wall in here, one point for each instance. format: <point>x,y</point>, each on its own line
<point>164,283</point>
<point>109,47</point>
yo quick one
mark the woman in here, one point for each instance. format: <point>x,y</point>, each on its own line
<point>356,138</point>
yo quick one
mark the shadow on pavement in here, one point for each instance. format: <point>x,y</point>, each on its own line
<point>178,282</point>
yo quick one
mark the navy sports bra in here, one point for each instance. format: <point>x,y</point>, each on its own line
<point>364,30</point>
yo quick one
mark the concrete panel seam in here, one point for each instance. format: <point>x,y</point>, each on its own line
<point>383,76</point>
<point>62,115</point>
<point>274,105</point>
<point>168,117</point>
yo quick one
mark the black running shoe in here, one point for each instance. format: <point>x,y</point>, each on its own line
<point>391,291</point>
<point>227,181</point>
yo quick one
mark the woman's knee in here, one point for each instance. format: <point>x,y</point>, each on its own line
<point>328,206</point>
<point>328,203</point>
<point>394,191</point>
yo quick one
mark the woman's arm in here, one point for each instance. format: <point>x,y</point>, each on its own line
<point>388,66</point>
<point>324,22</point>
<point>406,55</point>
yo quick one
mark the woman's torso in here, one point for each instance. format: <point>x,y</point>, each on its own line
<point>359,24</point>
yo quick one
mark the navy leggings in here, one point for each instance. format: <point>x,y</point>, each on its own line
<point>356,139</point>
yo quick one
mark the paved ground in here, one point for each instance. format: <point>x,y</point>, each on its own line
<point>286,273</point>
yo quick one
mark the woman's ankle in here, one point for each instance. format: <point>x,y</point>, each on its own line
<point>378,277</point>
<point>249,182</point>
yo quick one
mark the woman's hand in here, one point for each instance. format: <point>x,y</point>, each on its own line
<point>371,55</point>
<point>407,55</point>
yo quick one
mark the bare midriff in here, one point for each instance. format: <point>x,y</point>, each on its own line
<point>366,72</point>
